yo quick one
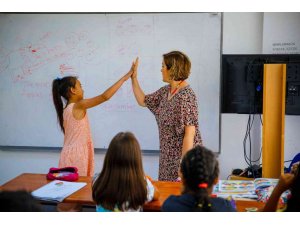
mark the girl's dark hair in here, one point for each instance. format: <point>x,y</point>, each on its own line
<point>61,88</point>
<point>198,166</point>
<point>121,182</point>
<point>293,204</point>
<point>18,201</point>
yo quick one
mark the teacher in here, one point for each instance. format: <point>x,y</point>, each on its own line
<point>176,111</point>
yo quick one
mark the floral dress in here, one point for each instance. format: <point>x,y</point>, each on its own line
<point>172,116</point>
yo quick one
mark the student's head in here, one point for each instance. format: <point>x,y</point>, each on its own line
<point>67,87</point>
<point>175,66</point>
<point>18,201</point>
<point>122,177</point>
<point>293,203</point>
<point>199,172</point>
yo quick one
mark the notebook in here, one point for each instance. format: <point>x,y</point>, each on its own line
<point>57,190</point>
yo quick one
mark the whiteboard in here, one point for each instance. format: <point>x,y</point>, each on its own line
<point>99,49</point>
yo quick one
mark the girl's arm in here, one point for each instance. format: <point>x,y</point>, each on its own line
<point>284,183</point>
<point>156,193</point>
<point>106,95</point>
<point>188,139</point>
<point>138,92</point>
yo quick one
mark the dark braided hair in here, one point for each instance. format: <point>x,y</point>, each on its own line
<point>61,88</point>
<point>199,166</point>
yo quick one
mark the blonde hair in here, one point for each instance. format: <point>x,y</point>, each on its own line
<point>178,64</point>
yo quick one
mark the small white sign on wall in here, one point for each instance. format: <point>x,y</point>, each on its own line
<point>281,33</point>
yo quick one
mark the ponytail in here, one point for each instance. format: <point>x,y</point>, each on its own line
<point>200,168</point>
<point>60,88</point>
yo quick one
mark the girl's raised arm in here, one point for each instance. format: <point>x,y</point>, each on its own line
<point>106,95</point>
<point>284,183</point>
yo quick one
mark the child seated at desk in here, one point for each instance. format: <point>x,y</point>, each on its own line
<point>199,171</point>
<point>122,184</point>
<point>286,181</point>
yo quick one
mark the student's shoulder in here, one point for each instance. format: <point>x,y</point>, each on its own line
<point>222,205</point>
<point>170,204</point>
<point>179,203</point>
<point>172,198</point>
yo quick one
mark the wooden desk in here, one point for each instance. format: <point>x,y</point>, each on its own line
<point>233,177</point>
<point>31,182</point>
<point>165,189</point>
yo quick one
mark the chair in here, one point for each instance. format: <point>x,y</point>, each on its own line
<point>295,159</point>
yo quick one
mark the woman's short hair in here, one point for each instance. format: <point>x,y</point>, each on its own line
<point>178,64</point>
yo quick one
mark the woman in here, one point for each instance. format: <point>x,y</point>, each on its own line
<point>175,109</point>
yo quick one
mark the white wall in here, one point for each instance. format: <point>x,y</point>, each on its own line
<point>242,34</point>
<point>283,30</point>
<point>281,33</point>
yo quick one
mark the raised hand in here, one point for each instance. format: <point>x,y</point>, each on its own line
<point>285,181</point>
<point>136,64</point>
<point>129,73</point>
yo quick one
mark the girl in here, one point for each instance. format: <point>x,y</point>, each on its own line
<point>176,111</point>
<point>122,185</point>
<point>78,148</point>
<point>199,171</point>
<point>287,181</point>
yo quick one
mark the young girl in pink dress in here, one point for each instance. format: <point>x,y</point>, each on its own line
<point>78,147</point>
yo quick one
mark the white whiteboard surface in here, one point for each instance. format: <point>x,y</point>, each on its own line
<point>99,48</point>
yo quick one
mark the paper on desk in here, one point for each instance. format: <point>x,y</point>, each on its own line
<point>235,188</point>
<point>57,190</point>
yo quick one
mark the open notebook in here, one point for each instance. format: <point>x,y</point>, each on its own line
<point>243,188</point>
<point>57,190</point>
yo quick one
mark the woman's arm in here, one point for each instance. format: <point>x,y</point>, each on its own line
<point>188,139</point>
<point>106,95</point>
<point>284,183</point>
<point>138,92</point>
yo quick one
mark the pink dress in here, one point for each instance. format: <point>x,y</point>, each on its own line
<point>78,149</point>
